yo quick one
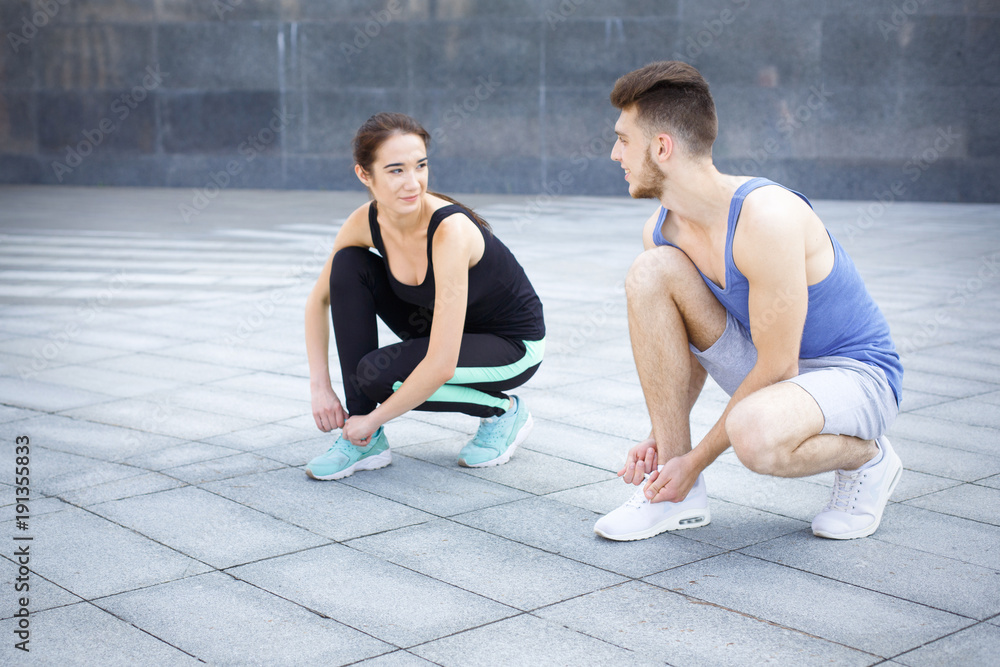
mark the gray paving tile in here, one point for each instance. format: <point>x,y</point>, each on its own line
<point>526,640</point>
<point>58,473</point>
<point>225,467</point>
<point>993,481</point>
<point>678,630</point>
<point>396,659</point>
<point>569,531</point>
<point>104,381</point>
<point>941,534</point>
<point>386,601</point>
<point>331,509</point>
<point>966,411</point>
<point>914,484</point>
<point>945,461</point>
<point>170,368</point>
<point>945,384</point>
<point>46,397</point>
<point>82,634</point>
<point>431,488</point>
<point>552,404</point>
<point>10,414</point>
<point>41,594</point>
<point>496,568</point>
<point>204,526</point>
<point>969,501</point>
<point>269,384</point>
<point>403,432</point>
<point>92,557</point>
<point>909,574</point>
<point>179,455</point>
<point>582,445</point>
<point>259,437</point>
<point>786,596</point>
<point>627,421</point>
<point>86,438</point>
<point>251,406</point>
<point>794,498</point>
<point>966,437</point>
<point>528,471</point>
<point>245,357</point>
<point>241,615</point>
<point>163,418</point>
<point>975,646</point>
<point>121,488</point>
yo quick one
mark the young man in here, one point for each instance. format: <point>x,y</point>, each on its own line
<point>740,279</point>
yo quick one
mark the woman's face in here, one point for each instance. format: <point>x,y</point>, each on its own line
<point>398,177</point>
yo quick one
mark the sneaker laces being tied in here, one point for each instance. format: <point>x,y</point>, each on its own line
<point>845,486</point>
<point>638,499</point>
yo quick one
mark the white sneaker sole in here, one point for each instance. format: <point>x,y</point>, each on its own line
<point>522,435</point>
<point>692,518</point>
<point>370,463</point>
<point>883,501</point>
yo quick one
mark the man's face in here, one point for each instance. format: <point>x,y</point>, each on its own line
<point>632,151</point>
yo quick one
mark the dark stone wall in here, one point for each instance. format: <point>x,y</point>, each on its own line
<point>847,99</point>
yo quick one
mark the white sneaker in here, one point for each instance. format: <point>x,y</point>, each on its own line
<point>859,498</point>
<point>638,518</point>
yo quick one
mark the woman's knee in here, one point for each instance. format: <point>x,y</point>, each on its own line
<point>348,264</point>
<point>375,375</point>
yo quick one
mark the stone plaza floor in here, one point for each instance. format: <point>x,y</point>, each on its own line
<point>157,368</point>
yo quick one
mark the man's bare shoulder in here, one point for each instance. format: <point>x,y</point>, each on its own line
<point>773,209</point>
<point>648,228</point>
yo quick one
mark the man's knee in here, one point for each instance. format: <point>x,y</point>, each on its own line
<point>754,438</point>
<point>654,269</point>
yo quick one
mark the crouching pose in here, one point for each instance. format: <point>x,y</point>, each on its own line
<point>469,321</point>
<point>740,279</point>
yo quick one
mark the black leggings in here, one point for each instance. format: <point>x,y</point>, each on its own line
<point>488,364</point>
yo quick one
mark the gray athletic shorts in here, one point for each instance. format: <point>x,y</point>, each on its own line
<point>855,397</point>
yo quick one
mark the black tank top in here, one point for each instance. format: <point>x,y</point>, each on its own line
<point>501,299</point>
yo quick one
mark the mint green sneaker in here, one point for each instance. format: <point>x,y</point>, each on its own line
<point>343,458</point>
<point>497,438</point>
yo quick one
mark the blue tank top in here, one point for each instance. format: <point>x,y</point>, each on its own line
<point>842,319</point>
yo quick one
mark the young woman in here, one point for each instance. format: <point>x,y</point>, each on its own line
<point>469,320</point>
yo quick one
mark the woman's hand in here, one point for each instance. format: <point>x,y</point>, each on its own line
<point>326,408</point>
<point>359,429</point>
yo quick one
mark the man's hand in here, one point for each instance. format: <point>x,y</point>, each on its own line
<point>326,408</point>
<point>641,459</point>
<point>673,481</point>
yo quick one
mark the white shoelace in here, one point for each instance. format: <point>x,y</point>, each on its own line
<point>844,486</point>
<point>637,500</point>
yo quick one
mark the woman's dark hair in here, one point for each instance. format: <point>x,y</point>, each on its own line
<point>373,133</point>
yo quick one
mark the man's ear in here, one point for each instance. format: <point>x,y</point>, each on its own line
<point>362,175</point>
<point>662,147</point>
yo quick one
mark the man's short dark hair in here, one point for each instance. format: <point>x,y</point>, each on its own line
<point>673,97</point>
